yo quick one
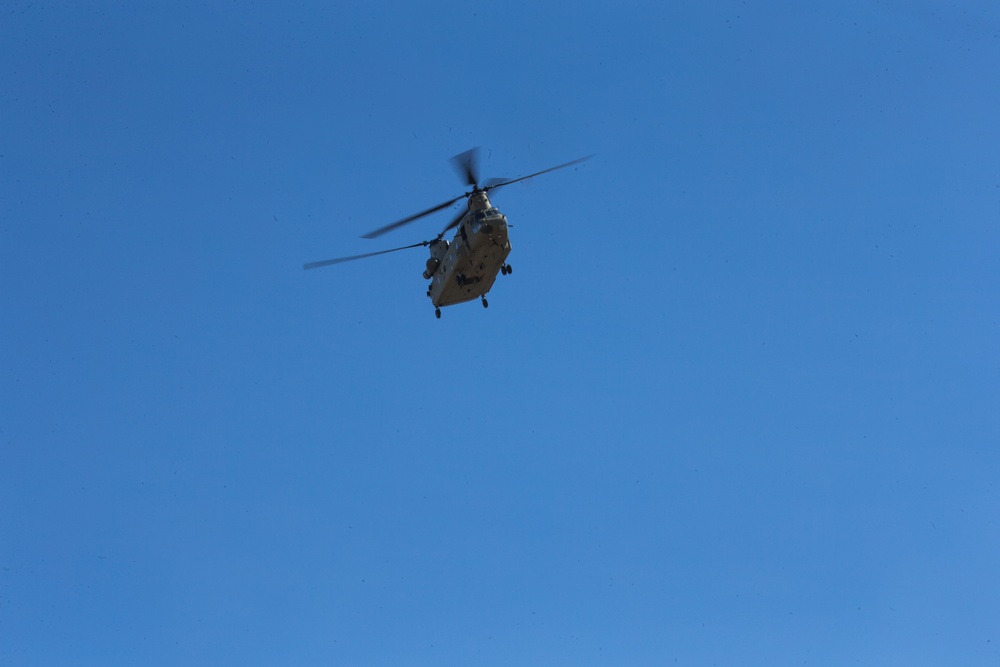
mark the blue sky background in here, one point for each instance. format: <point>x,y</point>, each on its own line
<point>738,403</point>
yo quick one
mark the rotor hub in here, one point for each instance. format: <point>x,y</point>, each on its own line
<point>478,200</point>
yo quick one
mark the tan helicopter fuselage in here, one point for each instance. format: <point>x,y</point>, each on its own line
<point>466,268</point>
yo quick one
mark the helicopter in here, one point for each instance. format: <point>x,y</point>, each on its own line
<point>465,268</point>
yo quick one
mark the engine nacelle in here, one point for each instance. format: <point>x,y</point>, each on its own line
<point>439,249</point>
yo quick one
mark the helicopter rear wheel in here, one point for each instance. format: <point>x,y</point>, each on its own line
<point>486,304</point>
<point>437,313</point>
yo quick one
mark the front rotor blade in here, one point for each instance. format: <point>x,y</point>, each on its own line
<point>538,173</point>
<point>494,182</point>
<point>340,260</point>
<point>467,164</point>
<point>399,223</point>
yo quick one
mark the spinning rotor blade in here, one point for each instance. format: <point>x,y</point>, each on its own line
<point>339,260</point>
<point>399,223</point>
<point>453,224</point>
<point>467,164</point>
<point>494,182</point>
<point>538,173</point>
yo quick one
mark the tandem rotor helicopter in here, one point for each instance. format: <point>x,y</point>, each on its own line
<point>465,268</point>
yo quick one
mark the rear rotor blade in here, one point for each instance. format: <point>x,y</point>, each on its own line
<point>340,260</point>
<point>399,223</point>
<point>538,173</point>
<point>454,223</point>
<point>467,164</point>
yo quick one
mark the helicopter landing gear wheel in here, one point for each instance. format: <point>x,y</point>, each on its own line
<point>486,304</point>
<point>437,313</point>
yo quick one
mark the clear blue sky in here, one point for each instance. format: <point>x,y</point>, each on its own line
<point>738,404</point>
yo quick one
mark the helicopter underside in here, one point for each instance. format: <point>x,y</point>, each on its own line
<point>469,269</point>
